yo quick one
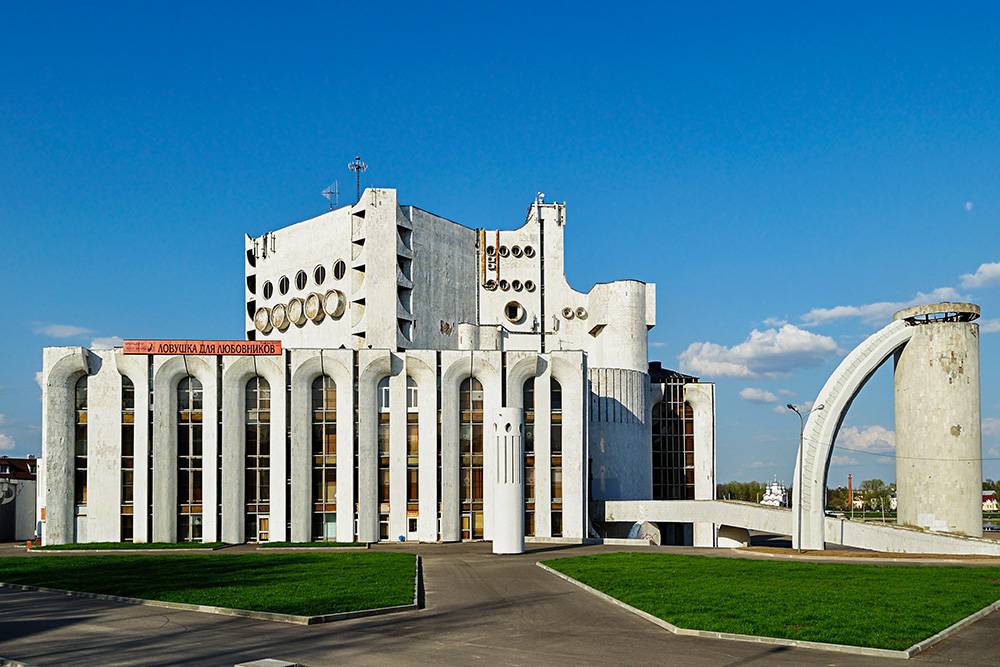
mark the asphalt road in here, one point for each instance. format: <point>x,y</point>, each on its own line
<point>480,609</point>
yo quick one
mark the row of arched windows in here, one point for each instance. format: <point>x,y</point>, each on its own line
<point>257,421</point>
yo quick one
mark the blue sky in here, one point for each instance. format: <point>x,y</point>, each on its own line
<point>761,167</point>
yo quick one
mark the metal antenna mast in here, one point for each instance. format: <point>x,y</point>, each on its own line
<point>357,166</point>
<point>332,194</point>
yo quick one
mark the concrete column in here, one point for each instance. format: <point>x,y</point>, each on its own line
<point>279,460</point>
<point>938,438</point>
<point>701,397</point>
<point>451,519</point>
<point>104,434</point>
<point>543,453</point>
<point>373,365</point>
<point>345,446</point>
<point>422,369</point>
<point>61,368</point>
<point>136,368</point>
<point>508,481</point>
<point>397,456</point>
<point>570,369</point>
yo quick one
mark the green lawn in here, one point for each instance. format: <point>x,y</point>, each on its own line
<point>308,584</point>
<point>93,546</point>
<point>308,545</point>
<point>879,606</point>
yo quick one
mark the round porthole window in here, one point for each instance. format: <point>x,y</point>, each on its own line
<point>490,285</point>
<point>567,312</point>
<point>504,251</point>
<point>504,285</point>
<point>529,251</point>
<point>339,269</point>
<point>581,313</point>
<point>514,312</point>
<point>516,251</point>
<point>529,285</point>
<point>319,274</point>
<point>490,250</point>
<point>283,286</point>
<point>517,285</point>
<point>268,289</point>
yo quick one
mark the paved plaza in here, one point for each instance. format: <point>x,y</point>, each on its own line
<point>479,609</point>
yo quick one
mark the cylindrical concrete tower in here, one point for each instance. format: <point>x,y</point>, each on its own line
<point>508,489</point>
<point>938,442</point>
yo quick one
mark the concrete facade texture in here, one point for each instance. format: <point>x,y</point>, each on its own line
<point>938,440</point>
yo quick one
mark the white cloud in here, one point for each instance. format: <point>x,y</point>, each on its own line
<point>6,442</point>
<point>755,395</point>
<point>879,312</point>
<point>986,274</point>
<point>39,380</point>
<point>969,206</point>
<point>61,330</point>
<point>105,342</point>
<point>839,460</point>
<point>764,353</point>
<point>876,439</point>
<point>989,326</point>
<point>991,426</point>
<point>775,322</point>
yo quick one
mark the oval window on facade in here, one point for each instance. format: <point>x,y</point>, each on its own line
<point>283,285</point>
<point>319,274</point>
<point>300,280</point>
<point>339,270</point>
<point>268,289</point>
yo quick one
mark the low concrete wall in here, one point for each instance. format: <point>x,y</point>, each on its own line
<point>874,536</point>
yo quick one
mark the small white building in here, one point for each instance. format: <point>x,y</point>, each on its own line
<point>989,501</point>
<point>17,498</point>
<point>402,336</point>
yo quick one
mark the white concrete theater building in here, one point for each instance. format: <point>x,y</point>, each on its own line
<point>404,377</point>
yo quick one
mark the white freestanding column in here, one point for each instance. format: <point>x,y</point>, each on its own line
<point>508,485</point>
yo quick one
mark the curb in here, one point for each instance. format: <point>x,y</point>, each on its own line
<point>243,613</point>
<point>778,641</point>
<point>310,549</point>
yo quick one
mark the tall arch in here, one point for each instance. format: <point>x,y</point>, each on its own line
<point>812,463</point>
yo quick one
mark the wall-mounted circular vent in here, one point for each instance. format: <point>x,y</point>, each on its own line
<point>334,304</point>
<point>581,313</point>
<point>314,307</point>
<point>262,320</point>
<point>567,312</point>
<point>514,312</point>
<point>297,311</point>
<point>279,317</point>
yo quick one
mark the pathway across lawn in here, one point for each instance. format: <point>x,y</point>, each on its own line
<point>305,584</point>
<point>879,606</point>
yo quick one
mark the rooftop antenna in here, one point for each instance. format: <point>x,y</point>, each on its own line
<point>332,194</point>
<point>357,166</point>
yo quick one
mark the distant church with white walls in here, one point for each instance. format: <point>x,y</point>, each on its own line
<point>382,342</point>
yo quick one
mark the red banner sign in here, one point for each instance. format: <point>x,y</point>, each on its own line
<point>206,347</point>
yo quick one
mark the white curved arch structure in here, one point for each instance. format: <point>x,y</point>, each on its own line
<point>809,498</point>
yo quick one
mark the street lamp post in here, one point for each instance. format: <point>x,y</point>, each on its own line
<point>798,482</point>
